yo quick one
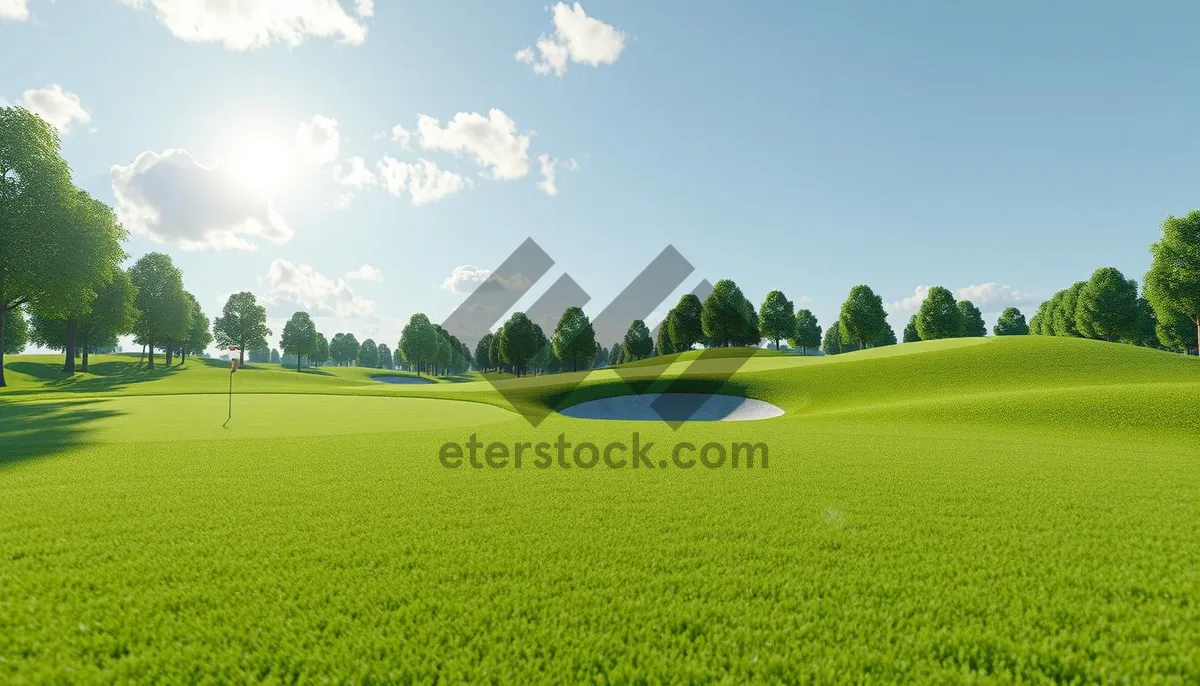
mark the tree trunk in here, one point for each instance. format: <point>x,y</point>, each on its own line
<point>168,350</point>
<point>3,311</point>
<point>150,347</point>
<point>241,355</point>
<point>69,364</point>
<point>84,368</point>
<point>297,361</point>
<point>1197,320</point>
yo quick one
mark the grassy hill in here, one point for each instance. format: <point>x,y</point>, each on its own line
<point>1019,509</point>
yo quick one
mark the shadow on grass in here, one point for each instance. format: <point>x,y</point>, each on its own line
<point>37,429</point>
<point>101,376</point>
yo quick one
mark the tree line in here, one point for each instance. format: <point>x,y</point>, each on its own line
<point>62,287</point>
<point>61,282</point>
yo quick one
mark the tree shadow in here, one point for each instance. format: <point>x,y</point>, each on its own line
<point>101,377</point>
<point>30,430</point>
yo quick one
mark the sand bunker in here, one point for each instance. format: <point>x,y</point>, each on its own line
<point>401,379</point>
<point>695,407</point>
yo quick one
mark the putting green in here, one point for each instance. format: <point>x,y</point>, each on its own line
<point>202,417</point>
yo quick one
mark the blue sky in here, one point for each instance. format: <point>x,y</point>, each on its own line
<point>809,147</point>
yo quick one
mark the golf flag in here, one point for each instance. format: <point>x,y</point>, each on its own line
<point>233,361</point>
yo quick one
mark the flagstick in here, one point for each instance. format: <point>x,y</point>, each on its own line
<point>230,415</point>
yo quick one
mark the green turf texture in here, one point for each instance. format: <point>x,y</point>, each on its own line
<point>997,511</point>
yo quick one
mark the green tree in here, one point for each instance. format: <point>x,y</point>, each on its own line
<point>418,341</point>
<point>1175,331</point>
<point>862,316</point>
<point>321,356</point>
<point>723,316</point>
<point>1106,307</point>
<point>544,359</point>
<point>885,337</point>
<point>614,355</point>
<point>1063,317</point>
<point>444,357</point>
<point>243,323</point>
<point>807,333</point>
<point>16,331</point>
<point>198,338</point>
<point>1173,282</point>
<point>833,343</point>
<point>938,316</point>
<point>910,330</point>
<point>299,336</point>
<point>163,309</point>
<point>368,354</point>
<point>662,341</point>
<point>350,346</point>
<point>970,320</point>
<point>260,354</point>
<point>519,341</point>
<point>776,317</point>
<point>385,356</point>
<point>1145,328</point>
<point>601,357</point>
<point>274,356</point>
<point>685,324</point>
<point>637,344</point>
<point>1010,323</point>
<point>574,338</point>
<point>483,358</point>
<point>34,245</point>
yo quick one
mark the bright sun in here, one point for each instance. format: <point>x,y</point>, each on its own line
<point>260,163</point>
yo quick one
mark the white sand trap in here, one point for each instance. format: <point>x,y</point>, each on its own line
<point>674,407</point>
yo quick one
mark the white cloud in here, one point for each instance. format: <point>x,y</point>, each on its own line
<point>319,139</point>
<point>365,273</point>
<point>251,24</point>
<point>988,297</point>
<point>342,200</point>
<point>492,141</point>
<point>401,135</point>
<point>912,303</point>
<point>465,278</point>
<point>577,38</point>
<point>991,297</point>
<point>365,8</point>
<point>172,199</point>
<point>422,180</point>
<point>358,175</point>
<point>59,108</point>
<point>547,185</point>
<point>15,10</point>
<point>548,167</point>
<point>304,286</point>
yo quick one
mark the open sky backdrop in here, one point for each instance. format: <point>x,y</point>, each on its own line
<point>367,160</point>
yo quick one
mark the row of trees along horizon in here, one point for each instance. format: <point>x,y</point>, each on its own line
<point>62,288</point>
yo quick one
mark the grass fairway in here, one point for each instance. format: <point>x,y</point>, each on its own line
<point>1011,510</point>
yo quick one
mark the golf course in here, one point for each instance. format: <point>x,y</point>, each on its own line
<point>1018,509</point>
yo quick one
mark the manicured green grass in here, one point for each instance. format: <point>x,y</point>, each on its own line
<point>1020,509</point>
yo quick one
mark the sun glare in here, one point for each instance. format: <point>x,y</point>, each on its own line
<point>260,163</point>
